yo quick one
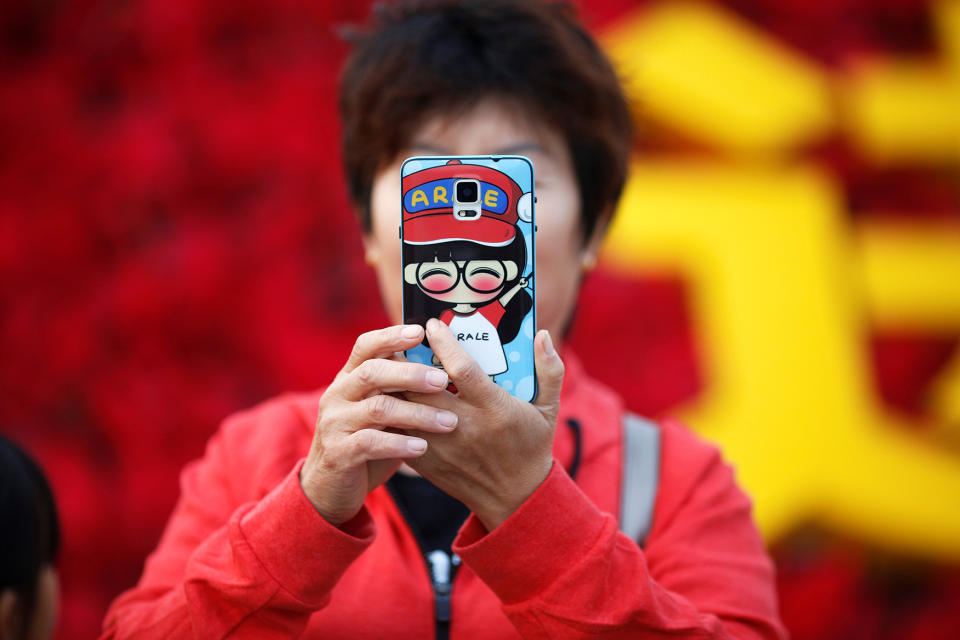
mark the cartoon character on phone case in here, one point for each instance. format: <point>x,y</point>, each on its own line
<point>468,273</point>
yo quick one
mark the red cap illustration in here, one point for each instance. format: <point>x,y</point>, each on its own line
<point>428,205</point>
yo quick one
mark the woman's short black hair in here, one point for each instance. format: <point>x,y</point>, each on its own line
<point>29,529</point>
<point>423,58</point>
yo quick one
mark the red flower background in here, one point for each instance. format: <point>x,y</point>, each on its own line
<point>176,244</point>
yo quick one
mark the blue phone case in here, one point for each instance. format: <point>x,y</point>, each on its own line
<point>469,261</point>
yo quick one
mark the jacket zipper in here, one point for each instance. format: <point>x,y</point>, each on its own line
<point>442,567</point>
<point>441,577</point>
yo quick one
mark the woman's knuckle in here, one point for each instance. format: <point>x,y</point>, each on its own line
<point>359,444</point>
<point>322,425</point>
<point>413,373</point>
<point>379,406</point>
<point>424,414</point>
<point>465,373</point>
<point>344,417</point>
<point>325,419</point>
<point>366,371</point>
<point>334,458</point>
<point>359,348</point>
<point>373,441</point>
<point>321,412</point>
<point>459,370</point>
<point>365,340</point>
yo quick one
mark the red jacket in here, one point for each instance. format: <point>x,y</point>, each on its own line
<point>245,555</point>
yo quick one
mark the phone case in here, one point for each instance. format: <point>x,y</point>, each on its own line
<point>471,263</point>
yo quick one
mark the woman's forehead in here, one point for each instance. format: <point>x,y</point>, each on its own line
<point>492,127</point>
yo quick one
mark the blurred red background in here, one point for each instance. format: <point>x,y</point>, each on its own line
<point>175,244</point>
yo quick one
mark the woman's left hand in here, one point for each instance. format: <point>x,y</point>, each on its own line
<point>502,448</point>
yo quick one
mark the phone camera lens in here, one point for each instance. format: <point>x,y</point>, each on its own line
<point>468,191</point>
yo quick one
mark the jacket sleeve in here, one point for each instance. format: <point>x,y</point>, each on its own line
<point>226,567</point>
<point>562,569</point>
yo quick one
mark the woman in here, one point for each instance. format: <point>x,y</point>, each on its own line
<point>297,522</point>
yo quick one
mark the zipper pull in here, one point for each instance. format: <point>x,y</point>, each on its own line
<point>441,572</point>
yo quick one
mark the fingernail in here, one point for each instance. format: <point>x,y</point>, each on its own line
<point>416,445</point>
<point>446,419</point>
<point>437,378</point>
<point>548,344</point>
<point>433,324</point>
<point>410,331</point>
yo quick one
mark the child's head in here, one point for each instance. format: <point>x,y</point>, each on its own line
<point>463,272</point>
<point>459,262</point>
<point>29,540</point>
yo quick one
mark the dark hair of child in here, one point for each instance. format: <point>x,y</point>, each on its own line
<point>29,529</point>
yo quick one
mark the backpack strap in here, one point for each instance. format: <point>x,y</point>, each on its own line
<point>640,473</point>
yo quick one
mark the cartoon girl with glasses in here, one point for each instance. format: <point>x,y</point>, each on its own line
<point>467,273</point>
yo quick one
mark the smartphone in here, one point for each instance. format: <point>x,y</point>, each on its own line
<point>467,231</point>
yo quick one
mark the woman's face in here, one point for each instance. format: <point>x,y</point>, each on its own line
<point>492,127</point>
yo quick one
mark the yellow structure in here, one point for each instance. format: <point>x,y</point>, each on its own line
<point>695,68</point>
<point>898,110</point>
<point>910,274</point>
<point>783,289</point>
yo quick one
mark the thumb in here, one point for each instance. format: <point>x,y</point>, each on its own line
<point>379,471</point>
<point>549,369</point>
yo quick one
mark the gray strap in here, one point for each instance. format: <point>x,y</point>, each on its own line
<point>639,476</point>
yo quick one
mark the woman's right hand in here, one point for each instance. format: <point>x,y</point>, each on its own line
<point>353,450</point>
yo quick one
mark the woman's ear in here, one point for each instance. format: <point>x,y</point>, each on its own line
<point>512,270</point>
<point>11,615</point>
<point>593,243</point>
<point>371,251</point>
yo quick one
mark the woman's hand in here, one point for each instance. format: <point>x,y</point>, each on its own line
<point>356,445</point>
<point>502,448</point>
